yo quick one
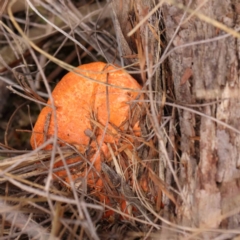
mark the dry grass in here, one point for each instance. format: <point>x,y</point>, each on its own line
<point>41,39</point>
<point>33,204</point>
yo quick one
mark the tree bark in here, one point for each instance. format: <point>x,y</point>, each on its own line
<point>204,72</point>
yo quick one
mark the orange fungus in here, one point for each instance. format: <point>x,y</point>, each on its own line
<point>78,99</point>
<point>85,104</point>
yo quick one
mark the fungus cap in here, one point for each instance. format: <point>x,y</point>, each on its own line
<point>78,99</point>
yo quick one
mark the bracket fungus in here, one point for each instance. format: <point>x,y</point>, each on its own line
<point>93,109</point>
